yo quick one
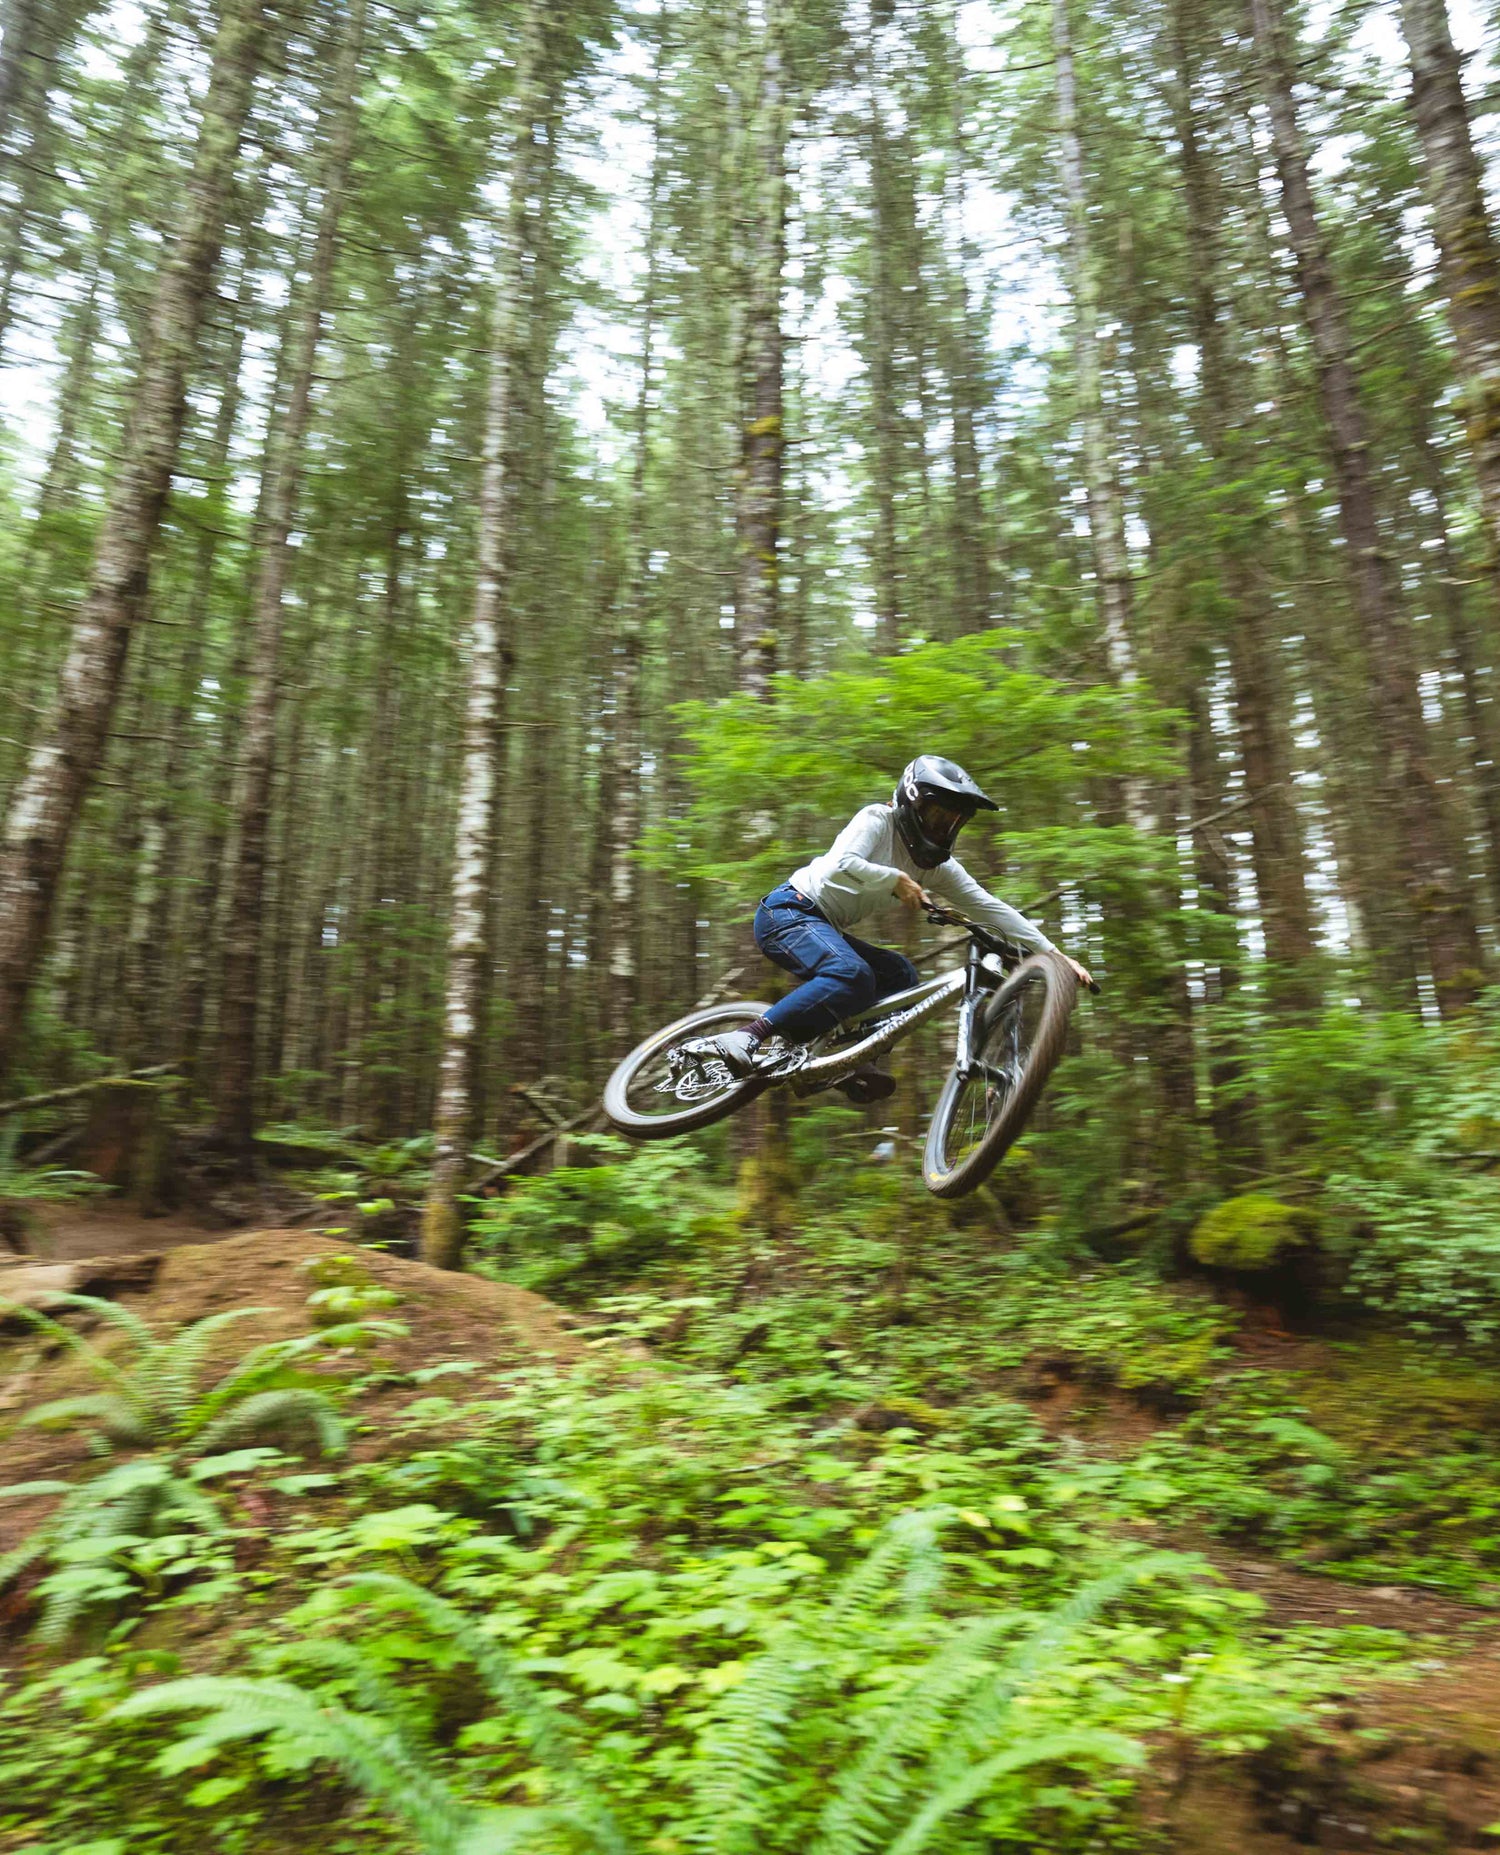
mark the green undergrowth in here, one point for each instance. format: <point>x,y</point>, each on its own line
<point>810,1565</point>
<point>1376,1456</point>
<point>728,1613</point>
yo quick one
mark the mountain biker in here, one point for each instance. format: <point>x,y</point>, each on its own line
<point>883,854</point>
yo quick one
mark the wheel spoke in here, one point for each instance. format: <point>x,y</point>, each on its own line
<point>996,1072</point>
<point>664,1086</point>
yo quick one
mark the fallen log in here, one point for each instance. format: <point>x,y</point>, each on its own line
<point>590,1116</point>
<point>52,1096</point>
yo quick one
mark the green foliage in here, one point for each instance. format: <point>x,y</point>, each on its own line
<point>134,1527</point>
<point>138,1525</point>
<point>1252,1232</point>
<point>935,1737</point>
<point>44,1184</point>
<point>1037,744</point>
<point>546,1229</point>
<point>1416,1202</point>
<point>155,1398</point>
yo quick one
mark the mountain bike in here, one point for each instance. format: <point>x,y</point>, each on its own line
<point>1013,1016</point>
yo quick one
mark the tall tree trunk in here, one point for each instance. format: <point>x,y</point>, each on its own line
<point>1228,1101</point>
<point>1469,653</point>
<point>1466,239</point>
<point>1106,510</point>
<point>44,32</point>
<point>1259,697</point>
<point>973,543</point>
<point>624,800</point>
<point>151,969</point>
<point>757,614</point>
<point>468,942</point>
<point>17,28</point>
<point>882,323</point>
<point>46,802</point>
<point>235,1076</point>
<point>1434,881</point>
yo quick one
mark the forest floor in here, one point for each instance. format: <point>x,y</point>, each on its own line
<point>66,1231</point>
<point>1407,1755</point>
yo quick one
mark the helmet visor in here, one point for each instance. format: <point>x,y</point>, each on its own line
<point>941,820</point>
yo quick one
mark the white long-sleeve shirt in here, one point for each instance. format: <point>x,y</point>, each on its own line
<point>859,874</point>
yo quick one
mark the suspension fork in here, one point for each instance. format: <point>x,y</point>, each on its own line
<point>976,992</point>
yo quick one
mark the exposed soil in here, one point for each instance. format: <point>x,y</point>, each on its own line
<point>447,1317</point>
<point>83,1227</point>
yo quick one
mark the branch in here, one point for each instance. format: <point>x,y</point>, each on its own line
<point>1193,825</point>
<point>531,1150</point>
<point>24,1102</point>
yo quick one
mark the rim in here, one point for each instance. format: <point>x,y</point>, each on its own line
<point>1000,1065</point>
<point>649,1091</point>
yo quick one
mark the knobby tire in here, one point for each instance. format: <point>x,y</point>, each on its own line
<point>730,1015</point>
<point>1043,1054</point>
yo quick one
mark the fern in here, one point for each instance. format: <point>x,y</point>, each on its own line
<point>153,1401</point>
<point>963,1705</point>
<point>371,1755</point>
<point>127,1504</point>
<point>264,1363</point>
<point>542,1727</point>
<point>987,1720</point>
<point>346,1662</point>
<point>970,1786</point>
<point>943,1741</point>
<point>380,1749</point>
<point>298,1412</point>
<point>871,1790</point>
<point>744,1751</point>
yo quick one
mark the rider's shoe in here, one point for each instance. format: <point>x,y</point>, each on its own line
<point>740,1053</point>
<point>867,1085</point>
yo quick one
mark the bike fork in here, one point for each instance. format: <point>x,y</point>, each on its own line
<point>969,1008</point>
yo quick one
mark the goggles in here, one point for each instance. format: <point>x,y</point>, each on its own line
<point>941,820</point>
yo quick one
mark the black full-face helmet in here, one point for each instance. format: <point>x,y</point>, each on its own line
<point>934,799</point>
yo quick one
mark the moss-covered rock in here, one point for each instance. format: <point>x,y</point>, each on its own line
<point>1251,1233</point>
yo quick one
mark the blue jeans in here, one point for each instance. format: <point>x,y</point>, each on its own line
<point>840,975</point>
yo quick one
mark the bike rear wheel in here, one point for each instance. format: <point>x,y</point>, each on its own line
<point>636,1100</point>
<point>1018,1043</point>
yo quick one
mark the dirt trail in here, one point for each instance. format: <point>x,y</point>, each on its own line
<point>446,1317</point>
<point>65,1232</point>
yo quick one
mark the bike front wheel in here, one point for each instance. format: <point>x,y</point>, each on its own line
<point>1018,1042</point>
<point>651,1099</point>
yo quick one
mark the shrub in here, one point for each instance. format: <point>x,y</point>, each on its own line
<point>1252,1232</point>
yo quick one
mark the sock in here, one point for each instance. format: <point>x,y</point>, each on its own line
<point>758,1030</point>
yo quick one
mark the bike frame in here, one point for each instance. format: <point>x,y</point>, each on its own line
<point>895,1016</point>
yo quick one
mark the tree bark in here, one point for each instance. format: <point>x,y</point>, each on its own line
<point>1277,850</point>
<point>151,969</point>
<point>236,1066</point>
<point>46,802</point>
<point>17,24</point>
<point>624,801</point>
<point>882,322</point>
<point>1466,239</point>
<point>468,942</point>
<point>1106,511</point>
<point>964,361</point>
<point>1433,879</point>
<point>757,614</point>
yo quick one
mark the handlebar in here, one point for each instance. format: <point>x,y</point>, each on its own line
<point>941,915</point>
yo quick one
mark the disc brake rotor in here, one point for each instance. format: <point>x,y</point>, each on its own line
<point>693,1078</point>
